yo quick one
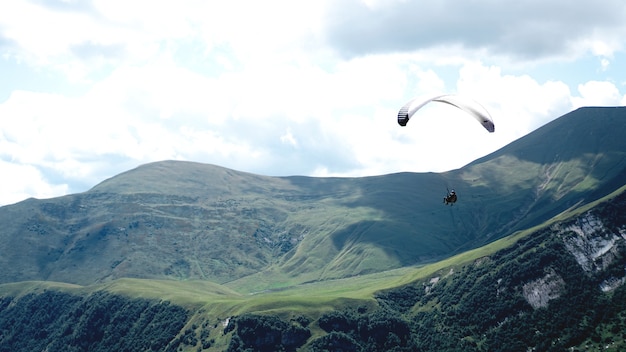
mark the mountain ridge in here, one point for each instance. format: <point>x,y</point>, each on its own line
<point>185,220</point>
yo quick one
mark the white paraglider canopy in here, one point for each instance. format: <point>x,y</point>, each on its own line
<point>468,105</point>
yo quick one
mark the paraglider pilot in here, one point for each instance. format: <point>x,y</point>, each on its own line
<point>450,198</point>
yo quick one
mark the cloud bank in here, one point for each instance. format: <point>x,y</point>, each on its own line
<point>94,88</point>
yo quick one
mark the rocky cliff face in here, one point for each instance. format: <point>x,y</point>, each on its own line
<point>595,246</point>
<point>590,242</point>
<point>540,291</point>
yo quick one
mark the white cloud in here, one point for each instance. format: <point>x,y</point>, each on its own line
<point>25,181</point>
<point>524,31</point>
<point>597,93</point>
<point>518,103</point>
<point>288,138</point>
<point>282,87</point>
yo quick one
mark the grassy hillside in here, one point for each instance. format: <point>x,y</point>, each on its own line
<point>188,221</point>
<point>572,160</point>
<point>489,279</point>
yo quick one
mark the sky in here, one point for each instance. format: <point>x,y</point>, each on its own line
<point>92,88</point>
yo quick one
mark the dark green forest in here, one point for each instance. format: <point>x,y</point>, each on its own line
<point>57,321</point>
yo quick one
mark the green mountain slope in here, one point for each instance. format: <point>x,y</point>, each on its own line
<point>186,221</point>
<point>572,160</point>
<point>557,287</point>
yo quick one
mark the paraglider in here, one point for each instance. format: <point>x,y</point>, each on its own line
<point>468,105</point>
<point>450,198</point>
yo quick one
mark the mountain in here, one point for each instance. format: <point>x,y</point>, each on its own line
<point>534,250</point>
<point>183,221</point>
<point>556,287</point>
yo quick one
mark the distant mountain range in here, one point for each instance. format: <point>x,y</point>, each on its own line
<point>183,220</point>
<point>531,257</point>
